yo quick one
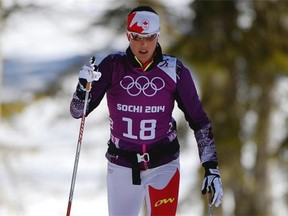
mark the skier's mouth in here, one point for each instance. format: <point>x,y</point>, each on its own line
<point>143,52</point>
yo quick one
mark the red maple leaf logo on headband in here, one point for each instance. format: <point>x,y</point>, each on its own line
<point>145,24</point>
<point>134,27</point>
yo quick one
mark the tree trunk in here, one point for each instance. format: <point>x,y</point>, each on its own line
<point>262,188</point>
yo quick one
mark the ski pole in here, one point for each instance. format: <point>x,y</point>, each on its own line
<point>210,210</point>
<point>79,143</point>
<point>209,197</point>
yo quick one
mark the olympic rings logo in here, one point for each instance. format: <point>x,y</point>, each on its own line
<point>142,85</point>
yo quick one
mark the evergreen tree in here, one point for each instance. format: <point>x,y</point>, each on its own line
<point>239,49</point>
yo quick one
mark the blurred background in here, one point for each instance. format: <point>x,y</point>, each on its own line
<point>238,55</point>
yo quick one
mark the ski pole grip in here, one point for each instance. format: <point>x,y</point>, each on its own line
<point>209,198</point>
<point>209,195</point>
<point>88,86</point>
<point>92,63</point>
<point>92,60</point>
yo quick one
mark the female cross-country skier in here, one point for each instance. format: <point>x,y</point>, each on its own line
<point>141,86</point>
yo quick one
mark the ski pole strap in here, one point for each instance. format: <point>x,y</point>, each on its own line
<point>159,154</point>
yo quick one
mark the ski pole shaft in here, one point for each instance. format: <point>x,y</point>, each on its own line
<point>210,210</point>
<point>209,198</point>
<point>79,143</point>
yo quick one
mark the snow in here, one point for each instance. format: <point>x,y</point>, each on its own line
<point>54,32</point>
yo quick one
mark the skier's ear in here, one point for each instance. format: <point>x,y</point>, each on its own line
<point>128,36</point>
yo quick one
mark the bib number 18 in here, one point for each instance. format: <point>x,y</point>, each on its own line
<point>146,132</point>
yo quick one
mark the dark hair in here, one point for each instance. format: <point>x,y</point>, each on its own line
<point>143,8</point>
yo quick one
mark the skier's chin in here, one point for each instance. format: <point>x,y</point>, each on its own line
<point>143,56</point>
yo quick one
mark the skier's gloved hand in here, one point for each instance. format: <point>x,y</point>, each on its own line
<point>212,183</point>
<point>89,74</point>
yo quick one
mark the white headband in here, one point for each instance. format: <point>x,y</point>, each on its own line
<point>143,22</point>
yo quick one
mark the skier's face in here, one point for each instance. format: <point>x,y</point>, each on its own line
<point>143,46</point>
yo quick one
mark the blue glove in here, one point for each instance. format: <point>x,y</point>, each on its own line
<point>212,184</point>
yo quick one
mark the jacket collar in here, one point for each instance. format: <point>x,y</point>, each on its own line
<point>158,57</point>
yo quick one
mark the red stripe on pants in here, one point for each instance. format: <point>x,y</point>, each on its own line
<point>164,201</point>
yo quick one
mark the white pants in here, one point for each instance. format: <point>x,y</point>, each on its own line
<point>159,187</point>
